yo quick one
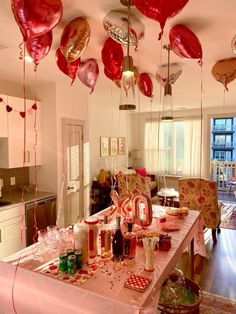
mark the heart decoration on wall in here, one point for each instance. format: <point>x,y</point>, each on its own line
<point>8,108</point>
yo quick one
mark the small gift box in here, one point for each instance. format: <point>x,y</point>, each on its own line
<point>137,282</point>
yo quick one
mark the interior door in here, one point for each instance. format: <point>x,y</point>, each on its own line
<point>74,187</point>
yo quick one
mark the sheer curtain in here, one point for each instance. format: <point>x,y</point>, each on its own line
<point>173,148</point>
<point>192,148</point>
<point>151,146</point>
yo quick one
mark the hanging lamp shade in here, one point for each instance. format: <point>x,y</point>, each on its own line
<point>127,95</point>
<point>167,111</point>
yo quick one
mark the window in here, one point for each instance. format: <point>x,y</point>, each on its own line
<point>173,147</point>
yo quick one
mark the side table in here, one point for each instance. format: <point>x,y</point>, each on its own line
<point>168,197</point>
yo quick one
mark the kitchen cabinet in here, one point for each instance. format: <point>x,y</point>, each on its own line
<point>20,148</point>
<point>12,230</point>
<point>3,117</point>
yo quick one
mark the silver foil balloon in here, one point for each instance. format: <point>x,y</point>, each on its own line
<point>162,73</point>
<point>115,24</point>
<point>233,44</point>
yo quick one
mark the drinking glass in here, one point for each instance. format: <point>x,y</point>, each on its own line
<point>41,253</point>
<point>149,244</point>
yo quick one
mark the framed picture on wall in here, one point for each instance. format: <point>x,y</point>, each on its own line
<point>121,146</point>
<point>113,146</point>
<point>104,146</point>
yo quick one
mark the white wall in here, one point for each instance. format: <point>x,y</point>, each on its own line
<point>47,173</point>
<point>106,120</point>
<point>15,89</point>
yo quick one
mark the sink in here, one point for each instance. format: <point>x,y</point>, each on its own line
<point>4,203</point>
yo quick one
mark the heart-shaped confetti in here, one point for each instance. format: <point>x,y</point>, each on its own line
<point>8,108</point>
<point>34,106</point>
<point>22,113</point>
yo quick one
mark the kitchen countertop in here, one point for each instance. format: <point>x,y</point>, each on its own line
<point>16,197</point>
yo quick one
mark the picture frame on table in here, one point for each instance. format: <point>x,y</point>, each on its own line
<point>121,146</point>
<point>113,146</point>
<point>104,146</point>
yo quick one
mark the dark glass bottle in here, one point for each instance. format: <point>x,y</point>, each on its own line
<point>129,243</point>
<point>117,241</point>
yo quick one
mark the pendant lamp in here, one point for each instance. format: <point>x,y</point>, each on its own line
<point>127,95</point>
<point>167,109</point>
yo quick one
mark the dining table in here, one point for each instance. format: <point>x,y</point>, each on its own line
<point>25,289</point>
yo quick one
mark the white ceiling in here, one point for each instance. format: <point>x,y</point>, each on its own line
<point>212,21</point>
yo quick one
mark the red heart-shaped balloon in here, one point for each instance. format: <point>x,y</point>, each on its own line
<point>9,109</point>
<point>34,106</point>
<point>36,17</point>
<point>160,10</point>
<point>22,113</point>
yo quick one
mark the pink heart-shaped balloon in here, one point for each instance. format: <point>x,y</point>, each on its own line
<point>88,73</point>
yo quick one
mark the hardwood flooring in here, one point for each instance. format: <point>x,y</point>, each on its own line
<point>216,274</point>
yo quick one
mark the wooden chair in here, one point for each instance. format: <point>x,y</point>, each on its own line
<point>201,194</point>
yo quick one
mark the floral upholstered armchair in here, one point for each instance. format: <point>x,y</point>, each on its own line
<point>201,194</point>
<point>132,183</point>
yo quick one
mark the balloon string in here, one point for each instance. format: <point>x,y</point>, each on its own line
<point>21,56</point>
<point>35,163</point>
<point>201,114</point>
<point>224,100</point>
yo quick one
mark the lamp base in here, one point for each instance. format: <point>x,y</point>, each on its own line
<point>127,107</point>
<point>127,3</point>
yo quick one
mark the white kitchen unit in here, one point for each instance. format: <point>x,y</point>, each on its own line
<point>12,229</point>
<point>19,149</point>
<point>3,117</point>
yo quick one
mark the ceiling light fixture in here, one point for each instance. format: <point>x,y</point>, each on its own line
<point>127,96</point>
<point>28,59</point>
<point>167,110</point>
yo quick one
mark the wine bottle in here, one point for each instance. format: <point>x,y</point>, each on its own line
<point>129,243</point>
<point>117,241</point>
<point>105,238</point>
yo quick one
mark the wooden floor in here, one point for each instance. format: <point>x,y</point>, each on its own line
<point>216,273</point>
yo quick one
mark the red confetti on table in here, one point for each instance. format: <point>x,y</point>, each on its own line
<point>137,282</point>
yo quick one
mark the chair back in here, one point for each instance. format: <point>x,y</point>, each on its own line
<point>131,183</point>
<point>201,194</point>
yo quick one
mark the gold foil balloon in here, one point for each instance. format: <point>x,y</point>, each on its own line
<point>136,75</point>
<point>115,24</point>
<point>224,71</point>
<point>75,38</point>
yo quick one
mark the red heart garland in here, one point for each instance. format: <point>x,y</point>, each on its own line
<point>22,113</point>
<point>8,108</point>
<point>34,106</point>
<point>1,99</point>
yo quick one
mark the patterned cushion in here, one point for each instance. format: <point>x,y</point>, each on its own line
<point>132,183</point>
<point>201,195</point>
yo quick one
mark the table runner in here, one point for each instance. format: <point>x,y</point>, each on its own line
<point>104,293</point>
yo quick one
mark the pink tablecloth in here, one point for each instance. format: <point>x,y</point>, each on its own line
<point>36,293</point>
